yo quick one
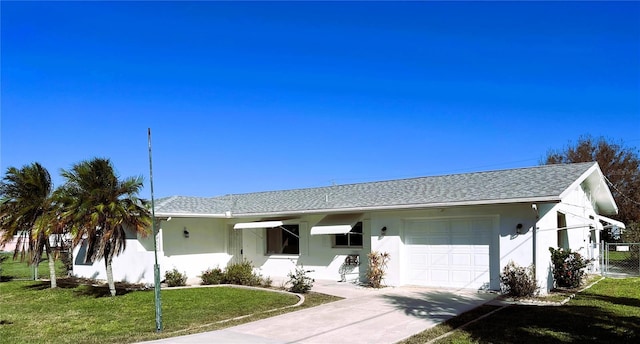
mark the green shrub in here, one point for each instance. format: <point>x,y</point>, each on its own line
<point>377,268</point>
<point>518,281</point>
<point>568,267</point>
<point>175,278</point>
<point>213,276</point>
<point>236,273</point>
<point>300,282</point>
<point>242,274</point>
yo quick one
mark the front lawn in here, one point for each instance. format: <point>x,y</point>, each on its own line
<point>31,312</point>
<point>16,269</point>
<point>609,312</point>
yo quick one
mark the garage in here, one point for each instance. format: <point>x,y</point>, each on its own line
<point>449,252</point>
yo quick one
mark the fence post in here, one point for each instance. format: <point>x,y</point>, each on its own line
<point>603,266</point>
<point>606,257</point>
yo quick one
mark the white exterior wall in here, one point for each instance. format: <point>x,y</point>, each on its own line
<point>209,243</point>
<point>316,254</point>
<point>505,246</point>
<point>205,248</point>
<point>578,210</point>
<point>546,237</point>
<point>391,242</point>
<point>134,265</point>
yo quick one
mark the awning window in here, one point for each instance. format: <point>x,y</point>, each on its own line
<point>257,224</point>
<point>336,224</point>
<point>612,222</point>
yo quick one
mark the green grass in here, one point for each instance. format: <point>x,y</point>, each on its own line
<point>16,269</point>
<point>609,312</point>
<point>449,325</point>
<point>618,256</point>
<point>560,295</point>
<point>31,312</point>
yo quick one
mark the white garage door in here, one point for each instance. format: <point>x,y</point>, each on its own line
<point>449,252</point>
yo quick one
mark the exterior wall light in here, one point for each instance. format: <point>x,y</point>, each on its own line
<point>383,231</point>
<point>185,232</point>
<point>519,228</point>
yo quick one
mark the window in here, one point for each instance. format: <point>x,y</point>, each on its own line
<point>283,240</point>
<point>563,237</point>
<point>351,239</point>
<point>82,255</point>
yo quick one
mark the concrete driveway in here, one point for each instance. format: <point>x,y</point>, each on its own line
<point>364,316</point>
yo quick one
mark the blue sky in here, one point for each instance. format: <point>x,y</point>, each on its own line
<point>245,97</point>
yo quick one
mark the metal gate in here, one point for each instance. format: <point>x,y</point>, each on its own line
<point>620,259</point>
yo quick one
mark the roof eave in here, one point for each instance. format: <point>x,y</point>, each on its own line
<point>191,215</point>
<point>604,198</point>
<point>553,199</point>
<point>580,179</point>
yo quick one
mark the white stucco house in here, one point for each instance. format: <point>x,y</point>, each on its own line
<point>455,230</point>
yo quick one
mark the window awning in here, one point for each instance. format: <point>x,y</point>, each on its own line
<point>257,224</point>
<point>336,224</point>
<point>611,221</point>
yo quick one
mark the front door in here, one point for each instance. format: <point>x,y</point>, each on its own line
<point>235,245</point>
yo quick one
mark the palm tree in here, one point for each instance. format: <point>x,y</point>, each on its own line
<point>99,208</point>
<point>25,211</point>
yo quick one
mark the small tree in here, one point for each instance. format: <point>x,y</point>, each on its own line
<point>27,211</point>
<point>98,208</point>
<point>377,268</point>
<point>568,267</point>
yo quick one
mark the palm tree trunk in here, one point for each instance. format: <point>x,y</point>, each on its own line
<point>112,285</point>
<point>52,264</point>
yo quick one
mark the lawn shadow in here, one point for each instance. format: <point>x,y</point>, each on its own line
<point>569,324</point>
<point>81,287</point>
<point>625,301</point>
<point>98,291</point>
<point>6,278</point>
<point>435,305</point>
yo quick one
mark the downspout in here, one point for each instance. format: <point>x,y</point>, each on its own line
<point>535,240</point>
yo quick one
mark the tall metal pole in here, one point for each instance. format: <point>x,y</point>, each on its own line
<point>534,240</point>
<point>156,266</point>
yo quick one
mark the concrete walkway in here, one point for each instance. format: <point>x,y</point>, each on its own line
<point>364,316</point>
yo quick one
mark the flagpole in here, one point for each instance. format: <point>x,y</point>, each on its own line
<point>156,266</point>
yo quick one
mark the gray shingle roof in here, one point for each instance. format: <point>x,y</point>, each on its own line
<point>503,186</point>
